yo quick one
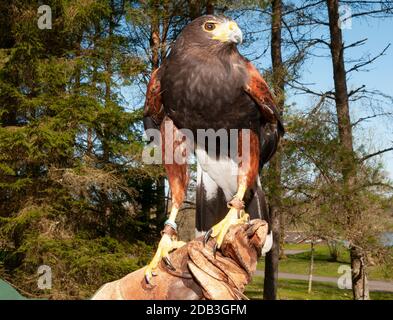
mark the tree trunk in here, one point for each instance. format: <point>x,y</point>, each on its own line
<point>275,192</point>
<point>209,7</point>
<point>107,205</point>
<point>311,267</point>
<point>333,250</point>
<point>155,38</point>
<point>348,163</point>
<point>157,48</point>
<point>360,287</point>
<point>197,8</point>
<point>161,201</point>
<point>271,260</point>
<point>340,85</point>
<point>282,235</point>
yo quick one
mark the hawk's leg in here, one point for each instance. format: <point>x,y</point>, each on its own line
<point>177,173</point>
<point>247,173</point>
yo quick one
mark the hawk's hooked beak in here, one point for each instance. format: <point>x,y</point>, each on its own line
<point>228,31</point>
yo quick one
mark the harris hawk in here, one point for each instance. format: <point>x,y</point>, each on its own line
<point>204,83</point>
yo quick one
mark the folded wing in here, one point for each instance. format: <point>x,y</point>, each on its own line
<point>272,128</point>
<point>153,112</point>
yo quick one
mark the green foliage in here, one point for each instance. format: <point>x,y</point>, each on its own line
<point>79,266</point>
<point>70,167</point>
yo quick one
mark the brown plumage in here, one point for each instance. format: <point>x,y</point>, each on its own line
<point>205,83</point>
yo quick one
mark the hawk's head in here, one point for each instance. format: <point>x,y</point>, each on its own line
<point>211,31</point>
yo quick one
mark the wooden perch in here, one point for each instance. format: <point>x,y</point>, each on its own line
<point>198,275</point>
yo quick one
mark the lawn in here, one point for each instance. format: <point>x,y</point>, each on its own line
<point>297,290</point>
<point>323,266</point>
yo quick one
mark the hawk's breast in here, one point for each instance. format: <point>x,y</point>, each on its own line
<point>208,95</point>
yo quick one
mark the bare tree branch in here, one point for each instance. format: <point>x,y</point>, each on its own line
<point>359,65</point>
<point>305,90</point>
<point>375,154</point>
<point>356,43</point>
<point>371,117</point>
<point>359,14</point>
<point>307,6</point>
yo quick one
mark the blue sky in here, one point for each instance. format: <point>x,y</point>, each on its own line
<point>375,134</point>
<point>379,77</point>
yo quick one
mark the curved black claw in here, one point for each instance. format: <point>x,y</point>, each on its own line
<point>169,264</point>
<point>148,280</point>
<point>215,250</point>
<point>207,236</point>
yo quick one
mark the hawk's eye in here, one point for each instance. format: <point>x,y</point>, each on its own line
<point>209,26</point>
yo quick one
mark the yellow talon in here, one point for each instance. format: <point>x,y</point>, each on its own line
<point>220,229</point>
<point>165,246</point>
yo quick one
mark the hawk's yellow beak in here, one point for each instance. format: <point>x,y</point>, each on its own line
<point>228,31</point>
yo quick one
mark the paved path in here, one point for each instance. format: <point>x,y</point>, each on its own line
<point>288,252</point>
<point>374,285</point>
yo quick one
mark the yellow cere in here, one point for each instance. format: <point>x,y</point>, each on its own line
<point>223,31</point>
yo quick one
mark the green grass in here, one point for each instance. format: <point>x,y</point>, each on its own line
<point>323,266</point>
<point>297,290</point>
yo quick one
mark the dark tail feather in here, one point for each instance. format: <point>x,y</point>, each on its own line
<point>256,205</point>
<point>212,209</point>
<point>211,204</point>
<point>257,208</point>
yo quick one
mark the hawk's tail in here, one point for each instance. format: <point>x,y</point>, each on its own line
<point>211,202</point>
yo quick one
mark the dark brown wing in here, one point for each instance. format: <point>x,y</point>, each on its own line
<point>272,127</point>
<point>153,112</point>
